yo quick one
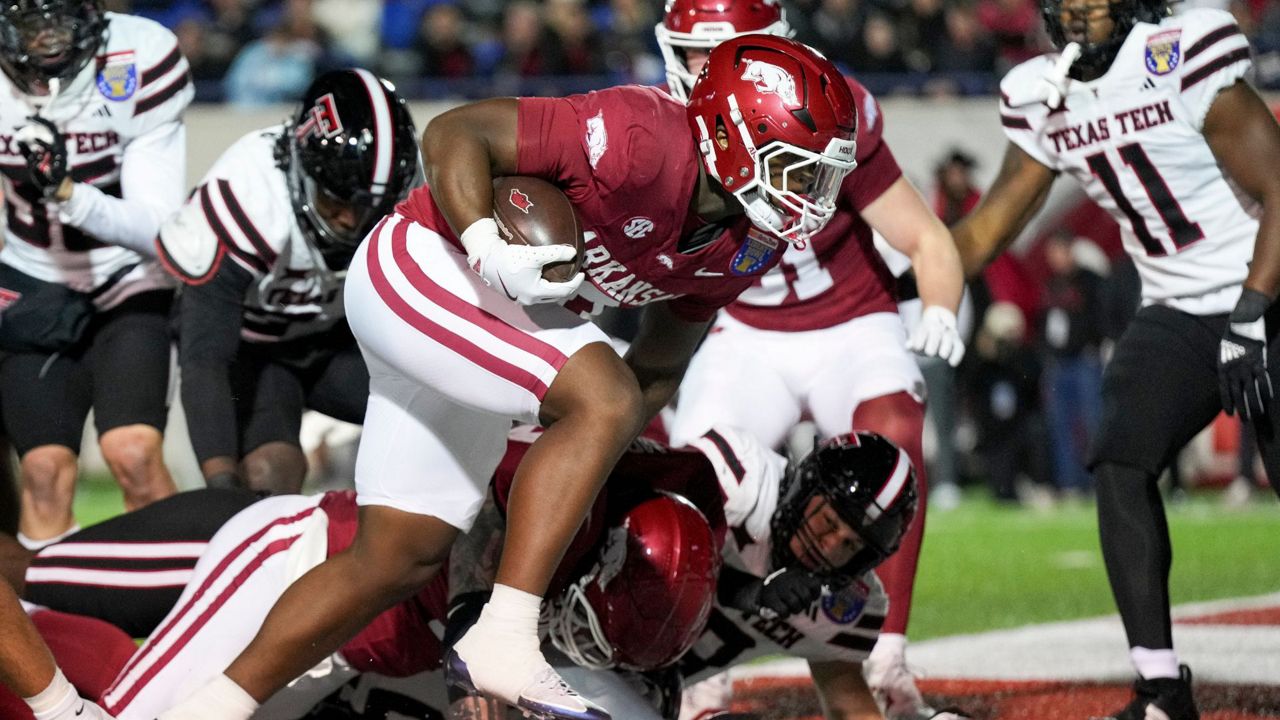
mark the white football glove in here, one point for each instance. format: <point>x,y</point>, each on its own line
<point>936,335</point>
<point>516,270</point>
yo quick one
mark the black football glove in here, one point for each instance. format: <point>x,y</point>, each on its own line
<point>45,150</point>
<point>782,594</point>
<point>1243,381</point>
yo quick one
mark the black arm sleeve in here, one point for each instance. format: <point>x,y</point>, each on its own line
<point>209,335</point>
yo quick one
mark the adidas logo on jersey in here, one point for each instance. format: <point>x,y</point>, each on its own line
<point>102,111</point>
<point>1147,84</point>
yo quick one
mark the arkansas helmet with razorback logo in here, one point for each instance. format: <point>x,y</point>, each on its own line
<point>43,40</point>
<point>869,483</point>
<point>704,24</point>
<point>352,143</point>
<point>775,123</point>
<point>648,597</point>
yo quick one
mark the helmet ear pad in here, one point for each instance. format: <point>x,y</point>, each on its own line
<point>870,484</point>
<point>353,142</point>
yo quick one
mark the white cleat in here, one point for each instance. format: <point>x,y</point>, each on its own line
<point>545,697</point>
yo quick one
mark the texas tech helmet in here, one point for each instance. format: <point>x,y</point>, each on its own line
<point>46,40</point>
<point>352,142</point>
<point>868,482</point>
<point>704,24</point>
<point>648,597</point>
<point>1096,57</point>
<point>775,123</point>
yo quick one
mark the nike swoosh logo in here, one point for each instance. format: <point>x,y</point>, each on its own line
<point>505,290</point>
<point>703,272</point>
<point>80,710</point>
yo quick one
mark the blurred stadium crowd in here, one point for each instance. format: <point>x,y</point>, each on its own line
<point>478,48</point>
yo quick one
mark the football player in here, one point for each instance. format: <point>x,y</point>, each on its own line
<point>28,670</point>
<point>263,246</point>
<point>682,208</point>
<point>94,160</point>
<point>225,583</point>
<point>799,549</point>
<point>1153,116</point>
<point>822,327</point>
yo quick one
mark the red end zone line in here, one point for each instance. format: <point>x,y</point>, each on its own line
<point>1256,616</point>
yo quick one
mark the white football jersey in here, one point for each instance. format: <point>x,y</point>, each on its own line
<point>121,116</point>
<point>841,625</point>
<point>1133,139</point>
<point>242,210</point>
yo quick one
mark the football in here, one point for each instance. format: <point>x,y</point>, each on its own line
<point>532,211</point>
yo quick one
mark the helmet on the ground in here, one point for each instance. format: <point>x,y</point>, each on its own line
<point>775,124</point>
<point>648,596</point>
<point>44,40</point>
<point>869,484</point>
<point>703,24</point>
<point>350,152</point>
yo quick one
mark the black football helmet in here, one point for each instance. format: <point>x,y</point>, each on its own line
<point>352,153</point>
<point>43,40</point>
<point>1095,58</point>
<point>868,482</point>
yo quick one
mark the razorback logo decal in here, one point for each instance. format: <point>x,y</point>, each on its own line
<point>520,200</point>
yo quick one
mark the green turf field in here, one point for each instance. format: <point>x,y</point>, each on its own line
<point>986,566</point>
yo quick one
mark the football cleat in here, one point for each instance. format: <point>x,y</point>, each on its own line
<point>1161,699</point>
<point>546,697</point>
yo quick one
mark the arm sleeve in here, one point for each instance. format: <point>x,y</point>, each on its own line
<point>210,317</point>
<point>152,178</point>
<point>750,476</point>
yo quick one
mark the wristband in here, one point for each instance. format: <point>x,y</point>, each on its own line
<point>1251,306</point>
<point>479,237</point>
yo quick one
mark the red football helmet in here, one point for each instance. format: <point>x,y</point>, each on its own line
<point>704,24</point>
<point>647,599</point>
<point>788,122</point>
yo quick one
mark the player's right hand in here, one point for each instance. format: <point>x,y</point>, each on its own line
<point>516,270</point>
<point>1243,380</point>
<point>45,150</point>
<point>787,592</point>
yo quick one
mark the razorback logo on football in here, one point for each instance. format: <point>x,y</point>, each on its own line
<point>520,200</point>
<point>322,119</point>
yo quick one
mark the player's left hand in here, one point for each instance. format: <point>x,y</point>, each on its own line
<point>1243,381</point>
<point>44,148</point>
<point>788,591</point>
<point>937,336</point>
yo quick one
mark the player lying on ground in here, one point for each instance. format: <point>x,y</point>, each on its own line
<point>258,552</point>
<point>1153,116</point>
<point>799,551</point>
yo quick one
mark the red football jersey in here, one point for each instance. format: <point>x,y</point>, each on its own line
<point>399,642</point>
<point>840,275</point>
<point>627,161</point>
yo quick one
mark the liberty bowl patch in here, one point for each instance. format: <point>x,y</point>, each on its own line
<point>1163,52</point>
<point>118,76</point>
<point>845,605</point>
<point>755,254</point>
